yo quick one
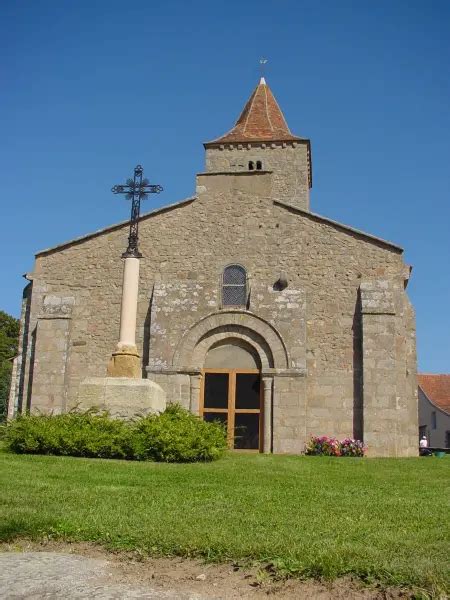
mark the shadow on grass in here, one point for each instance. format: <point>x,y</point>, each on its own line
<point>20,528</point>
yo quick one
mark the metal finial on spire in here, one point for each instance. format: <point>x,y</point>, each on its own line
<point>263,62</point>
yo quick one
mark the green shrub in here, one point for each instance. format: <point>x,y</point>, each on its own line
<point>177,435</point>
<point>173,436</point>
<point>89,434</point>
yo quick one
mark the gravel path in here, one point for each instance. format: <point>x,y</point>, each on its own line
<point>64,571</point>
<point>50,575</point>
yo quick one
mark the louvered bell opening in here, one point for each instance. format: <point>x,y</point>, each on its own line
<point>234,289</point>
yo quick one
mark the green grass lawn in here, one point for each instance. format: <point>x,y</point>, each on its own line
<point>380,519</point>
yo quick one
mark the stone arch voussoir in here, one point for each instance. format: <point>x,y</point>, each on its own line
<point>261,335</point>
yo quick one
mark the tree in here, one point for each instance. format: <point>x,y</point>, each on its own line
<point>9,339</point>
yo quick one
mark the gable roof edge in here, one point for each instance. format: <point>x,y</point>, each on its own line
<point>442,410</point>
<point>341,226</point>
<point>88,236</point>
<point>436,388</point>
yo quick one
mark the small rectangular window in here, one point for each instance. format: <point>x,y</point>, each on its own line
<point>433,420</point>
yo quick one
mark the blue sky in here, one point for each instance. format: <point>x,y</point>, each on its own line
<point>90,89</point>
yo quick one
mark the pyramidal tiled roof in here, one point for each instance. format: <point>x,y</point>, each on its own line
<point>437,389</point>
<point>261,120</point>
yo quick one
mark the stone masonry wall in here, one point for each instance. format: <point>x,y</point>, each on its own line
<point>233,219</point>
<point>179,304</point>
<point>22,360</point>
<point>389,415</point>
<point>289,163</point>
<point>49,386</point>
<point>290,424</point>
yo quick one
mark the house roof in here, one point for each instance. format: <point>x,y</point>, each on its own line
<point>437,389</point>
<point>260,121</point>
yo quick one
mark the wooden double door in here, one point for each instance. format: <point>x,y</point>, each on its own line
<point>233,397</point>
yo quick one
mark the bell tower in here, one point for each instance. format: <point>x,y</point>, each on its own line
<point>261,141</point>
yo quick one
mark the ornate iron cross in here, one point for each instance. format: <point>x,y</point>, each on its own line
<point>135,189</point>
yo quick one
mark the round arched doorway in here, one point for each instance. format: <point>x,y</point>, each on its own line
<point>231,392</point>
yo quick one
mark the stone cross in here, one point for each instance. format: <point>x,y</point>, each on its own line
<point>125,361</point>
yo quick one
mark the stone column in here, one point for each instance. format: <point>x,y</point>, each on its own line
<point>125,361</point>
<point>267,415</point>
<point>196,380</point>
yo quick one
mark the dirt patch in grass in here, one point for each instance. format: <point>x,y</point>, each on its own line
<point>206,581</point>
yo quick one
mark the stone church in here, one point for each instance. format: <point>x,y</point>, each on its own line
<point>252,309</point>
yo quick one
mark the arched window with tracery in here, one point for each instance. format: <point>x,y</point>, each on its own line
<point>234,286</point>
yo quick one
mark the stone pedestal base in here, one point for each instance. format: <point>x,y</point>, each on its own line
<point>121,396</point>
<point>125,362</point>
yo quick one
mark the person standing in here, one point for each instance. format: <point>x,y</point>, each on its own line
<point>423,446</point>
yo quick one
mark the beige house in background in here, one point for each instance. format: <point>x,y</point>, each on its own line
<point>434,409</point>
<point>252,308</point>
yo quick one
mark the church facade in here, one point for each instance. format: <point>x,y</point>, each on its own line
<point>252,309</point>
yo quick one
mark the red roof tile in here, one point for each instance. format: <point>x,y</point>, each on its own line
<point>437,389</point>
<point>261,120</point>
